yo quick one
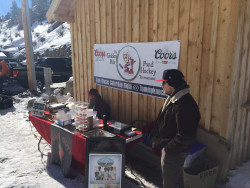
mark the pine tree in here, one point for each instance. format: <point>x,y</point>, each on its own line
<point>7,16</point>
<point>13,14</point>
<point>19,20</point>
<point>39,9</point>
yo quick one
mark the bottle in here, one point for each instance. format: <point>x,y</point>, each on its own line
<point>105,123</point>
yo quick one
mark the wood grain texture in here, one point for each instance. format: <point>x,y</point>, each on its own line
<point>214,57</point>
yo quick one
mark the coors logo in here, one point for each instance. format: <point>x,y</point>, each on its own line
<point>164,54</point>
<point>99,54</point>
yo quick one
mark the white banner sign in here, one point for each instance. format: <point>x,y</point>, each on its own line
<point>135,66</point>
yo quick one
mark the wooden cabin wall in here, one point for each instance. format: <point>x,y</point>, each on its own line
<point>206,29</point>
<point>239,112</point>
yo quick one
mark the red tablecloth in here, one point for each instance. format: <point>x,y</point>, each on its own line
<point>42,126</point>
<point>78,142</point>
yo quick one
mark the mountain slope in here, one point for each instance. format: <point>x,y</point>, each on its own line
<point>45,37</point>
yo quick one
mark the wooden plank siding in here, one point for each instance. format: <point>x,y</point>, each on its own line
<point>214,57</point>
<point>238,129</point>
<point>115,100</point>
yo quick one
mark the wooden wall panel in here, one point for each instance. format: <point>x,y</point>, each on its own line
<point>82,52</point>
<point>238,122</point>
<point>76,43</point>
<point>195,46</point>
<point>73,57</point>
<point>135,38</point>
<point>97,30</point>
<point>246,100</point>
<point>109,21</point>
<point>243,84</point>
<point>223,68</point>
<point>89,51</point>
<point>183,34</point>
<point>83,70</point>
<point>201,26</point>
<point>161,36</point>
<point>143,37</point>
<point>103,38</point>
<point>92,40</point>
<point>214,58</point>
<point>121,38</point>
<point>208,61</point>
<point>109,40</point>
<point>152,37</point>
<point>115,100</point>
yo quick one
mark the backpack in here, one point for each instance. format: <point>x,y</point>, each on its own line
<point>5,102</point>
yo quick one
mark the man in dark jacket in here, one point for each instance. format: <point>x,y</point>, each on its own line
<point>175,128</point>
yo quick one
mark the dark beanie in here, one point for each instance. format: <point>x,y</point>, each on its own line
<point>93,92</point>
<point>173,77</point>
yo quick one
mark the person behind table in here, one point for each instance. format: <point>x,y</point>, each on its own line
<point>4,72</point>
<point>175,127</point>
<point>98,104</point>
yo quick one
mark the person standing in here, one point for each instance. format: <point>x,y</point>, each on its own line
<point>175,127</point>
<point>4,72</point>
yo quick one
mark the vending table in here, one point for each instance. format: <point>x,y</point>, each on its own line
<point>78,140</point>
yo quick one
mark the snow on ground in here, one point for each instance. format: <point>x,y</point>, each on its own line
<point>21,162</point>
<point>240,177</point>
<point>22,165</point>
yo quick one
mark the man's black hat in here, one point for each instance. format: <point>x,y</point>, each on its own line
<point>173,77</point>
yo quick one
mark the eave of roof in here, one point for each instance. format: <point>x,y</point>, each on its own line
<point>61,10</point>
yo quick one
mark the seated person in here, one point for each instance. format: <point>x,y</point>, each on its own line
<point>4,72</point>
<point>98,104</point>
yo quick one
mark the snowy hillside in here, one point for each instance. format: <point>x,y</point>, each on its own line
<point>44,37</point>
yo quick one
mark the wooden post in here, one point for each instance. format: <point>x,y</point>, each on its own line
<point>47,79</point>
<point>28,45</point>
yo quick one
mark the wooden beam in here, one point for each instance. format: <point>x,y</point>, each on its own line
<point>64,18</point>
<point>50,13</point>
<point>61,10</point>
<point>28,45</point>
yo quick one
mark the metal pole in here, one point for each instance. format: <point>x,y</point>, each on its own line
<point>28,45</point>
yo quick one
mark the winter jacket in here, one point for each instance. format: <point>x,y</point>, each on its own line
<point>176,125</point>
<point>99,105</point>
<point>5,69</point>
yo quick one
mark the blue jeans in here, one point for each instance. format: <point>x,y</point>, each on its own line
<point>172,169</point>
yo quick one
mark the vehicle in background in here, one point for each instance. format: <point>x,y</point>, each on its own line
<point>61,69</point>
<point>11,62</point>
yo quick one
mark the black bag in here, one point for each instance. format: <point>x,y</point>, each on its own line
<point>5,102</point>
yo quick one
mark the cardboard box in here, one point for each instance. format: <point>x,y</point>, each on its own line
<point>201,175</point>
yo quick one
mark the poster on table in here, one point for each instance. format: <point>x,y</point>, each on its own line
<point>61,148</point>
<point>105,170</point>
<point>134,67</point>
<point>38,108</point>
